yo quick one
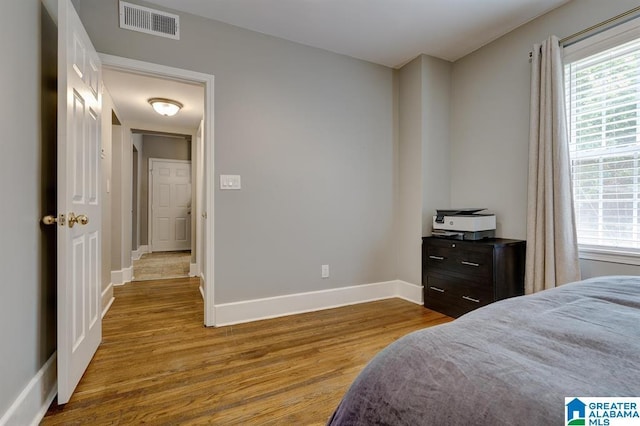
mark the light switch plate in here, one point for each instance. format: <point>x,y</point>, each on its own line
<point>230,182</point>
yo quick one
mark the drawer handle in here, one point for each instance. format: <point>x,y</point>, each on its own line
<point>436,257</point>
<point>439,290</point>
<point>464,262</point>
<point>471,299</point>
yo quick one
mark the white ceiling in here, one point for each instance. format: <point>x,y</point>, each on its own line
<point>130,94</point>
<point>387,32</point>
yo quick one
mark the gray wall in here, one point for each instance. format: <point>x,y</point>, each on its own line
<point>124,145</point>
<point>116,198</point>
<point>436,161</point>
<point>107,107</point>
<point>156,146</point>
<point>490,115</point>
<point>424,90</point>
<point>311,134</point>
<point>136,176</point>
<point>27,185</point>
<point>409,206</point>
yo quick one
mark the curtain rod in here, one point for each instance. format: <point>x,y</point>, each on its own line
<point>616,18</point>
<point>600,24</point>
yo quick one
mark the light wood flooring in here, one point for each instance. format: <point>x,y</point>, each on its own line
<point>162,265</point>
<point>157,364</point>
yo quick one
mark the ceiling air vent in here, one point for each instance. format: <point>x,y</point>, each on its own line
<point>150,21</point>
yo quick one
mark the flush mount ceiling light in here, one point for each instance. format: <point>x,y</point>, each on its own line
<point>165,107</point>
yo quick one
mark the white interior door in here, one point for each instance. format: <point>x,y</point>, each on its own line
<point>170,204</point>
<point>79,109</point>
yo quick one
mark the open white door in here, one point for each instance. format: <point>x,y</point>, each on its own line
<point>79,240</point>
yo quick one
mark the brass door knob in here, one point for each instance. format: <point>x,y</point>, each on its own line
<point>81,219</point>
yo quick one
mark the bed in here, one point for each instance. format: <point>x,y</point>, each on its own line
<point>512,362</point>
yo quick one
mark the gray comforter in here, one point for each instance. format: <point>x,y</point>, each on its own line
<point>510,363</point>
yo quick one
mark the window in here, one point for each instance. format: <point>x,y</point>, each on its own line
<point>602,80</point>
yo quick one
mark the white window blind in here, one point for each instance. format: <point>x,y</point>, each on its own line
<point>603,111</point>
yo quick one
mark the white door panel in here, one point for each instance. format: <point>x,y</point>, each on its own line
<point>170,182</point>
<point>181,229</point>
<point>164,195</point>
<point>79,109</point>
<point>163,230</point>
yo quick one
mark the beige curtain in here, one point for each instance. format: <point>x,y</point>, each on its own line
<point>552,248</point>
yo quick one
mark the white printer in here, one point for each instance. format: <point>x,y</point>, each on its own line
<point>464,224</point>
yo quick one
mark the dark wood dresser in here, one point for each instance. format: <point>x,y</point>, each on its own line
<point>460,276</point>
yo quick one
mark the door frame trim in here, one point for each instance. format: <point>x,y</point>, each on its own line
<point>208,80</point>
<point>150,197</point>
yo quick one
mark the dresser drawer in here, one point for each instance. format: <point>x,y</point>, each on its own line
<point>461,259</point>
<point>443,302</point>
<point>454,298</point>
<point>478,292</point>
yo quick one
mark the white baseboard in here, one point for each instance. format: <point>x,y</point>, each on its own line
<point>272,307</point>
<point>116,278</point>
<point>137,254</point>
<point>106,308</point>
<point>122,276</point>
<point>193,270</point>
<point>409,292</point>
<point>201,291</point>
<point>107,299</point>
<point>33,402</point>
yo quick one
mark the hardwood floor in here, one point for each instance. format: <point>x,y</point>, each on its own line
<point>162,265</point>
<point>157,363</point>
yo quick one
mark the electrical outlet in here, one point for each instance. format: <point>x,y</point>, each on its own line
<point>325,271</point>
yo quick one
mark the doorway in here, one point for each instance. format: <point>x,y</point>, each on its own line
<point>203,191</point>
<point>165,212</point>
